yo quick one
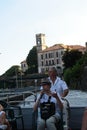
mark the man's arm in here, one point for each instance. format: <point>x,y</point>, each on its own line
<point>66,91</point>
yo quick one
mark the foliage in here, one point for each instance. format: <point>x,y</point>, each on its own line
<point>73,75</point>
<point>12,71</point>
<point>84,59</point>
<point>32,61</point>
<point>68,75</point>
<point>71,57</point>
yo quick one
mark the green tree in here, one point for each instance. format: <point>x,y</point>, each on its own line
<point>12,71</point>
<point>32,61</point>
<point>71,57</point>
<point>6,81</point>
<point>73,75</point>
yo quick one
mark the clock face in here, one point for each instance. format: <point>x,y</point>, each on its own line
<point>39,41</point>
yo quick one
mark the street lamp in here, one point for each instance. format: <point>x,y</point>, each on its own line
<point>21,73</point>
<point>21,78</point>
<point>35,88</point>
<point>16,77</point>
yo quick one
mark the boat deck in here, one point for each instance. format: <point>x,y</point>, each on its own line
<point>75,121</point>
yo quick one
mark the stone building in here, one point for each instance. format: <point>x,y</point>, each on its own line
<point>52,56</point>
<point>24,66</point>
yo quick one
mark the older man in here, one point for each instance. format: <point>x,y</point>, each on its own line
<point>57,84</point>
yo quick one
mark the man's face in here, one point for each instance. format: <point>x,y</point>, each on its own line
<point>51,73</point>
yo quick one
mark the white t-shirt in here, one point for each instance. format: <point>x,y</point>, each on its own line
<point>59,85</point>
<point>45,99</point>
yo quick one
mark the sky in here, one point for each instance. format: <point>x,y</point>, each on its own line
<point>62,21</point>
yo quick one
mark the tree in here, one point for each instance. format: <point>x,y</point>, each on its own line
<point>12,71</point>
<point>71,57</point>
<point>74,76</point>
<point>6,81</point>
<point>32,61</point>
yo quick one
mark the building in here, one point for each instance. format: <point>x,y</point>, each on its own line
<point>52,56</point>
<point>24,66</point>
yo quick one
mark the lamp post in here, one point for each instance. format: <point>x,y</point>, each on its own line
<point>21,73</point>
<point>16,77</point>
<point>35,88</point>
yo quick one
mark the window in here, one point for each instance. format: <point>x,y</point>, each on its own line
<point>56,54</point>
<point>41,56</point>
<point>46,63</point>
<point>49,62</point>
<point>57,61</point>
<point>42,63</point>
<point>46,55</point>
<point>52,62</point>
<point>62,52</point>
<point>49,55</point>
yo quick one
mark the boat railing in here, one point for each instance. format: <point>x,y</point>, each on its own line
<point>18,97</point>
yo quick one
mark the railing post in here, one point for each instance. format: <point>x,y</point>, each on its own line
<point>7,98</point>
<point>24,98</point>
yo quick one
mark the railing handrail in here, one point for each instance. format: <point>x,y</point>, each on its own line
<point>14,95</point>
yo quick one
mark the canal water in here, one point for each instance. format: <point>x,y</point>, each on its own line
<point>75,98</point>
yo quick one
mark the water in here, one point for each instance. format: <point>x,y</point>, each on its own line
<point>75,97</point>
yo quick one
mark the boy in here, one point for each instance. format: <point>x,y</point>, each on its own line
<point>50,115</point>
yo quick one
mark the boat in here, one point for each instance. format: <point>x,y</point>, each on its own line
<point>74,119</point>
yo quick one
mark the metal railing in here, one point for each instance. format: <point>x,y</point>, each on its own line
<point>17,97</point>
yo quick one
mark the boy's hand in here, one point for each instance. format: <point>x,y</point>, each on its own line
<point>54,94</point>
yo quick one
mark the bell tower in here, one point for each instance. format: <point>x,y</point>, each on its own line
<point>40,42</point>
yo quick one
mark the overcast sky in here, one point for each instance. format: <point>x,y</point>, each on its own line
<point>62,21</point>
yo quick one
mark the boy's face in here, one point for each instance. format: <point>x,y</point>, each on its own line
<point>46,87</point>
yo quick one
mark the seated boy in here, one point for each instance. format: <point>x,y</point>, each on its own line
<point>50,104</point>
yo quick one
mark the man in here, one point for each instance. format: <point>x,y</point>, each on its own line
<point>57,84</point>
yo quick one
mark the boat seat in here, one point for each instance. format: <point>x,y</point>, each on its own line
<point>11,118</point>
<point>62,124</point>
<point>9,114</point>
<point>34,120</point>
<point>18,114</point>
<point>13,113</point>
<point>59,124</point>
<point>4,104</point>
